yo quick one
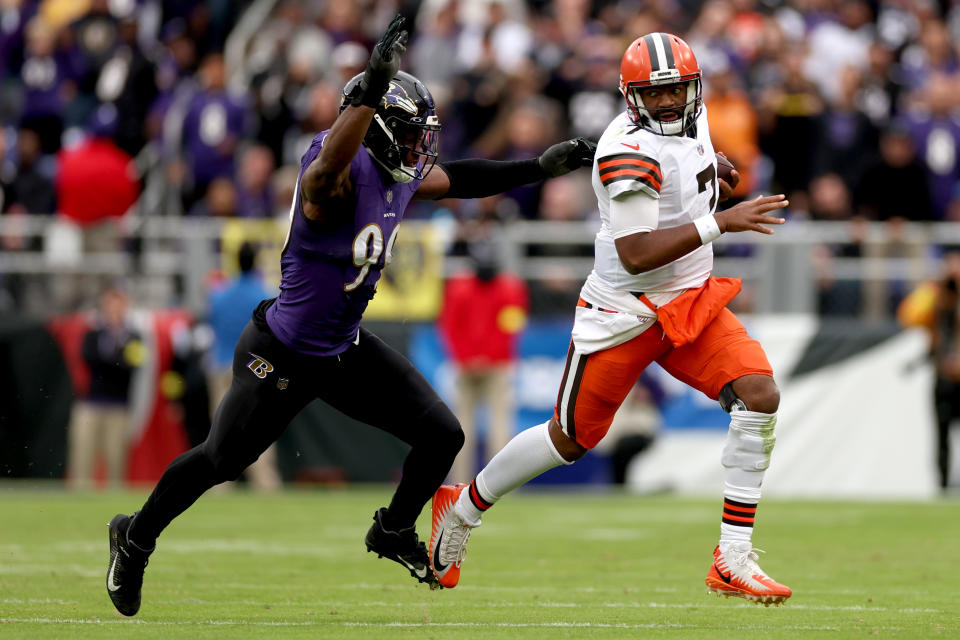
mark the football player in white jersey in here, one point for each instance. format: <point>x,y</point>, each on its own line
<point>651,297</point>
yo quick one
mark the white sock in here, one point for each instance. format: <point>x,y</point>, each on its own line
<point>741,489</point>
<point>529,454</point>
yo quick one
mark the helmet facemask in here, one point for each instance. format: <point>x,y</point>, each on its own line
<point>409,149</point>
<point>690,109</point>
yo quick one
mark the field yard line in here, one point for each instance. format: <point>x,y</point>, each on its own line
<point>466,625</point>
<point>546,605</point>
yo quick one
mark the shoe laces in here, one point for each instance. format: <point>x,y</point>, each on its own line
<point>747,556</point>
<point>454,548</point>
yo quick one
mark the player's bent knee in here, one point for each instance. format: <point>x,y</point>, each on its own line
<point>445,430</point>
<point>568,448</point>
<point>750,440</point>
<point>754,393</point>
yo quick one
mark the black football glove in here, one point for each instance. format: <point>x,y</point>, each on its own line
<point>564,157</point>
<point>384,64</point>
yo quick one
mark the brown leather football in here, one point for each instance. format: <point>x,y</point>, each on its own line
<point>724,167</point>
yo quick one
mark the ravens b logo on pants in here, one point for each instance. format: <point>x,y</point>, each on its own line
<point>259,366</point>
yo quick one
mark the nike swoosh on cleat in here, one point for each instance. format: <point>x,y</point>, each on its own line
<point>436,556</point>
<point>726,579</point>
<point>420,573</point>
<point>111,585</point>
<point>635,147</point>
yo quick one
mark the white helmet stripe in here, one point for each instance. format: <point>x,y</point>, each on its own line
<point>655,60</point>
<point>662,63</point>
<point>668,51</point>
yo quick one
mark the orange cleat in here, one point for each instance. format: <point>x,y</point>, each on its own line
<point>735,572</point>
<point>448,537</point>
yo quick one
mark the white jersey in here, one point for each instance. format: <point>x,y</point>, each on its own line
<point>681,173</point>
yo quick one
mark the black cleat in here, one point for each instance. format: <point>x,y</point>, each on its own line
<point>403,547</point>
<point>125,572</point>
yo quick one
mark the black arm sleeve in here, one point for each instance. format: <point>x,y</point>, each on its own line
<point>478,178</point>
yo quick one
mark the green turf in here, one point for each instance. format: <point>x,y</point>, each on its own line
<point>557,565</point>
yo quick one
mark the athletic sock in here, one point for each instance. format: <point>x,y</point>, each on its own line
<point>743,475</point>
<point>737,522</point>
<point>526,456</point>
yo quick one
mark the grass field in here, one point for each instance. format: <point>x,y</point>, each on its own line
<point>558,565</point>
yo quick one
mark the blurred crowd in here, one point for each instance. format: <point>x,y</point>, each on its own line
<point>848,106</point>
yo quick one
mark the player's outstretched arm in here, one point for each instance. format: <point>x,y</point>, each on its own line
<point>327,177</point>
<point>479,178</point>
<point>645,251</point>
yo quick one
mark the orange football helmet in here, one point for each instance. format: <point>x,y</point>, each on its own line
<point>660,59</point>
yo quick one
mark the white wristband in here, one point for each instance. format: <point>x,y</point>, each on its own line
<point>708,228</point>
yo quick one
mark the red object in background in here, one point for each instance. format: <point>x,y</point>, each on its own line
<point>162,436</point>
<point>95,180</point>
<point>159,436</point>
<point>481,320</point>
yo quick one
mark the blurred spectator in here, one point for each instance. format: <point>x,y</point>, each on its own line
<point>733,121</point>
<point>214,124</point>
<point>128,80</point>
<point>91,41</point>
<point>846,137</point>
<point>220,201</point>
<point>596,101</point>
<point>500,39</point>
<point>788,124</point>
<point>14,15</point>
<point>283,184</point>
<point>47,87</point>
<point>934,127</point>
<point>101,420</point>
<point>254,192</point>
<point>933,53</point>
<point>838,43</point>
<point>482,316</point>
<point>230,309</point>
<point>31,188</point>
<point>894,185</point>
<point>936,307</point>
<point>437,36</point>
<point>881,85</point>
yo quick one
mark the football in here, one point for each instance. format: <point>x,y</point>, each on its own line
<point>724,167</point>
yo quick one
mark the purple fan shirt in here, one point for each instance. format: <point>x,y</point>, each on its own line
<point>330,270</point>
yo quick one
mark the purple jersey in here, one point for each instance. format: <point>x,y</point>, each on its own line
<point>330,269</point>
<point>212,119</point>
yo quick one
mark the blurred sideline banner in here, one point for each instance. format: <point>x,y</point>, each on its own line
<point>268,235</point>
<point>412,288</point>
<point>856,415</point>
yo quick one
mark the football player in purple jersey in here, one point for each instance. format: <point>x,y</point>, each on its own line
<point>355,181</point>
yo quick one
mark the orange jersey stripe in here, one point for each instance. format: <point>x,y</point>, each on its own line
<point>655,168</point>
<point>644,174</point>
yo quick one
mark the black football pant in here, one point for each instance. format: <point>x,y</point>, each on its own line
<point>369,382</point>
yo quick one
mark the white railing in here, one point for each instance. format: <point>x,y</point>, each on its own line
<point>782,270</point>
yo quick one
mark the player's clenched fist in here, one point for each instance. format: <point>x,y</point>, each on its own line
<point>384,64</point>
<point>752,215</point>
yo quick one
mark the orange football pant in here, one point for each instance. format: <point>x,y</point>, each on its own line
<point>594,385</point>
